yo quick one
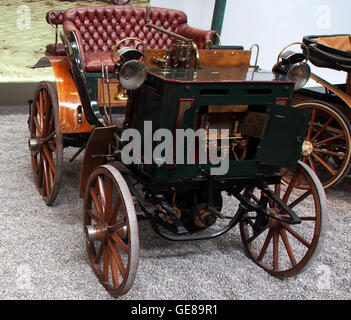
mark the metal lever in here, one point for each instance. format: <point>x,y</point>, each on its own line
<point>294,218</point>
<point>148,13</point>
<point>173,34</point>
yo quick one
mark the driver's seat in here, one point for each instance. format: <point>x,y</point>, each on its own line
<point>98,29</point>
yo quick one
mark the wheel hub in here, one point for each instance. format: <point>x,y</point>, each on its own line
<point>123,232</point>
<point>36,143</point>
<point>33,144</point>
<point>96,232</point>
<point>273,223</point>
<point>307,148</point>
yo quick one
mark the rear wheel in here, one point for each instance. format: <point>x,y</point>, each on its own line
<point>280,248</point>
<point>45,142</point>
<point>327,147</point>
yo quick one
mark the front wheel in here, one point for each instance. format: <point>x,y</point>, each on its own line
<point>111,230</point>
<point>280,248</point>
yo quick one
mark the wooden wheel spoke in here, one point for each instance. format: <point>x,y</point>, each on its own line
<point>48,157</point>
<point>271,202</point>
<point>40,173</point>
<point>296,235</point>
<point>98,256</point>
<point>36,108</point>
<point>339,136</point>
<point>41,111</point>
<point>115,209</point>
<point>113,263</point>
<point>51,122</point>
<point>275,250</point>
<point>308,218</point>
<point>311,163</point>
<point>299,180</point>
<point>49,136</point>
<point>327,166</point>
<point>265,245</point>
<point>35,163</point>
<point>118,259</point>
<point>37,126</point>
<point>96,202</point>
<point>284,171</point>
<point>92,216</point>
<point>277,189</point>
<point>120,242</point>
<point>118,225</point>
<point>46,188</point>
<point>48,117</point>
<point>39,167</point>
<point>291,185</point>
<point>322,129</point>
<point>109,199</point>
<point>106,262</point>
<point>52,146</point>
<point>332,153</point>
<point>249,193</point>
<point>51,179</point>
<point>102,193</point>
<point>310,128</point>
<point>299,199</point>
<point>288,247</point>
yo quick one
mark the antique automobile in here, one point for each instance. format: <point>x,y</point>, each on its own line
<point>173,79</point>
<point>327,147</point>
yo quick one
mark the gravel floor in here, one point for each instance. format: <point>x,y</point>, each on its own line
<point>43,254</point>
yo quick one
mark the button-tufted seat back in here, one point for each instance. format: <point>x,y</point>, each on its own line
<point>55,18</point>
<point>98,29</point>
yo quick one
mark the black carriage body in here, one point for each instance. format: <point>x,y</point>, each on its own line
<point>177,99</point>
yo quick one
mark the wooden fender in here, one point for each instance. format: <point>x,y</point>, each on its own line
<point>341,94</point>
<point>97,145</point>
<point>69,101</point>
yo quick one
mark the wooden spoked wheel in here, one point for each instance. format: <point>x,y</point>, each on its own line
<point>327,147</point>
<point>111,230</point>
<point>45,141</point>
<point>280,248</point>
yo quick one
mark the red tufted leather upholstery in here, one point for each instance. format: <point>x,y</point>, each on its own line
<point>55,17</point>
<point>98,29</point>
<point>56,49</point>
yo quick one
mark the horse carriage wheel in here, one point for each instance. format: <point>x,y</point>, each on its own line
<point>111,230</point>
<point>280,248</point>
<point>45,142</point>
<point>327,147</point>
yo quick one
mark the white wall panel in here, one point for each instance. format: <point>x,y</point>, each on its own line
<point>272,24</point>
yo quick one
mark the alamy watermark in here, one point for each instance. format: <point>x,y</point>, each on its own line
<point>24,18</point>
<point>324,17</point>
<point>24,277</point>
<point>324,277</point>
<point>185,147</point>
